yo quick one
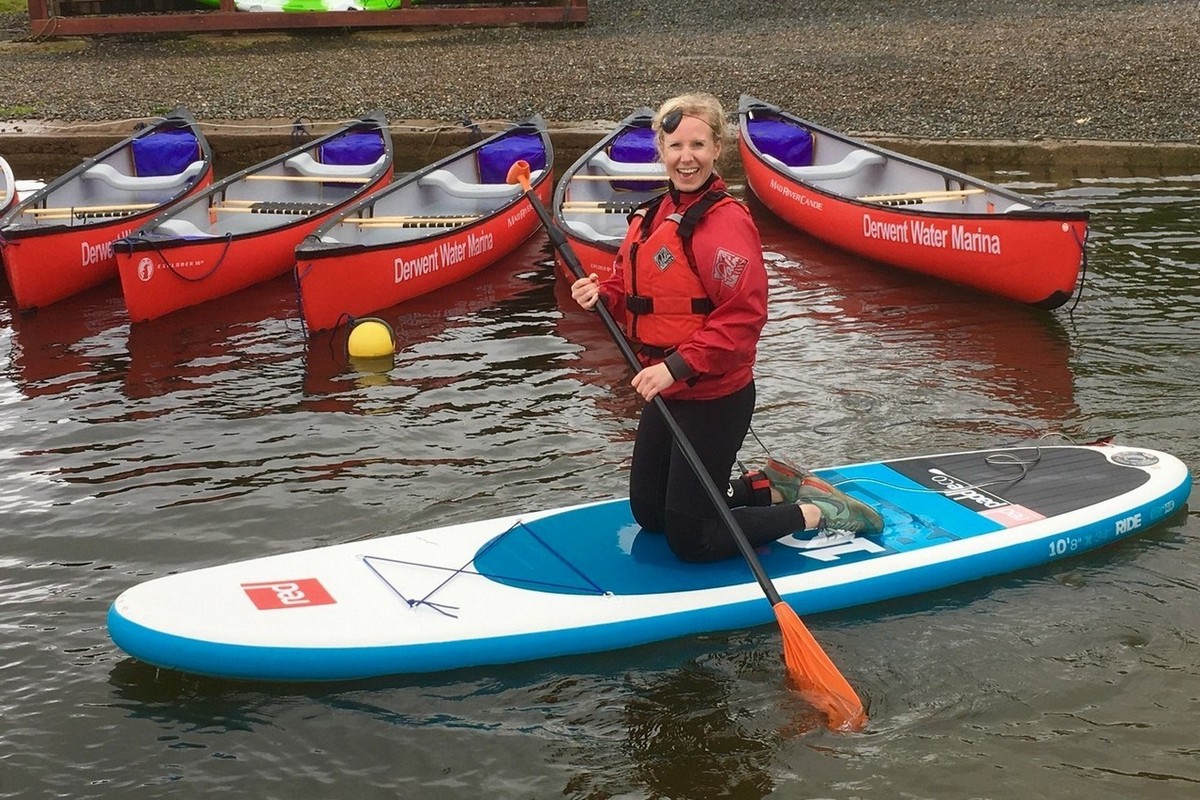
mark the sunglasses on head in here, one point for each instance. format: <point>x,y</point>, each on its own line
<point>671,120</point>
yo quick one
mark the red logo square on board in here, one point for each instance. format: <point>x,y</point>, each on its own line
<point>288,594</point>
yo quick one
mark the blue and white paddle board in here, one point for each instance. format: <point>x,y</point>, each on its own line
<point>587,578</point>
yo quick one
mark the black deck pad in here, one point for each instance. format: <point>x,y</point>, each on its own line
<point>1049,480</point>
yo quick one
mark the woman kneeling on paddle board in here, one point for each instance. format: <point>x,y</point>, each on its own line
<point>689,288</point>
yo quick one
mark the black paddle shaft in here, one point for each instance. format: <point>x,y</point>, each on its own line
<point>681,441</point>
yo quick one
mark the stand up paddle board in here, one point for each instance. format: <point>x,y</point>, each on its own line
<point>587,578</point>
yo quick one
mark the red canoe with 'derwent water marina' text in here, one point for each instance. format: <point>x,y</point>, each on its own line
<point>906,213</point>
<point>431,228</point>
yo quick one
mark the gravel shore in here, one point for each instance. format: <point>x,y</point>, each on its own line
<point>1104,70</point>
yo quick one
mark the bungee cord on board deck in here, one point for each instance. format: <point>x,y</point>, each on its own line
<point>999,459</point>
<point>588,584</point>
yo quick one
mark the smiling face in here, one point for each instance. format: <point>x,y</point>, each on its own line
<point>689,153</point>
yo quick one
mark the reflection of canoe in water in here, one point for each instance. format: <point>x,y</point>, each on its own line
<point>595,196</point>
<point>416,322</point>
<point>600,363</point>
<point>71,343</point>
<point>427,230</point>
<point>245,228</point>
<point>1006,351</point>
<point>907,213</point>
<point>202,345</point>
<point>67,343</point>
<point>58,241</point>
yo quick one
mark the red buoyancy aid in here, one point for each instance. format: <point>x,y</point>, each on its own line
<point>665,301</point>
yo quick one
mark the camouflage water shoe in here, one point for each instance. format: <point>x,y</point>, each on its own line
<point>839,510</point>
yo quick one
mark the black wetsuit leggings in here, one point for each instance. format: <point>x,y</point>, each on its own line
<point>666,496</point>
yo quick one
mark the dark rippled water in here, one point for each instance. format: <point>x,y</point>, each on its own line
<point>221,433</point>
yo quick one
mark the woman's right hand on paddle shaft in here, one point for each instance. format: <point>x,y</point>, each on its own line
<point>586,291</point>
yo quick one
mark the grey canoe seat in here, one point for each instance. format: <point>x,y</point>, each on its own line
<point>308,166</point>
<point>851,164</point>
<point>182,229</point>
<point>118,180</point>
<point>453,185</point>
<point>605,164</point>
<point>590,233</point>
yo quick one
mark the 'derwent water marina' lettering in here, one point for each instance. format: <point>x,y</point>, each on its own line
<point>94,253</point>
<point>97,253</point>
<point>887,231</point>
<point>928,234</point>
<point>975,242</point>
<point>478,244</point>
<point>409,268</point>
<point>452,252</point>
<point>524,212</point>
<point>447,254</point>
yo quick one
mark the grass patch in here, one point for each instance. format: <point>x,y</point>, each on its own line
<point>13,6</point>
<point>17,111</point>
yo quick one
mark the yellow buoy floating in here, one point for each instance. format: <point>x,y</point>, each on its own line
<point>370,337</point>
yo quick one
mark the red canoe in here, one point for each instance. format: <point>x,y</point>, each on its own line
<point>245,228</point>
<point>431,228</point>
<point>595,196</point>
<point>904,212</point>
<point>58,241</point>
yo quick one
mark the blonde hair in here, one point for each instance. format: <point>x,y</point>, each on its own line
<point>702,106</point>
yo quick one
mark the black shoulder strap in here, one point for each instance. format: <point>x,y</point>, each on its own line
<point>691,217</point>
<point>649,206</point>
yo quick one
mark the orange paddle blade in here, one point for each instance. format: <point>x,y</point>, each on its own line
<point>812,672</point>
